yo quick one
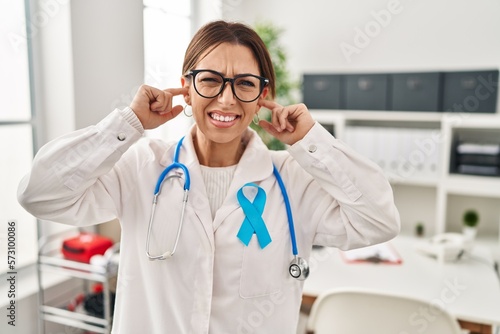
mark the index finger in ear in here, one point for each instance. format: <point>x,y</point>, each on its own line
<point>268,104</point>
<point>177,91</point>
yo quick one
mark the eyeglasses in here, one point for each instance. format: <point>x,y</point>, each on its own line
<point>246,87</point>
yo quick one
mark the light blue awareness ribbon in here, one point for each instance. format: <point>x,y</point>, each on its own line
<point>253,222</point>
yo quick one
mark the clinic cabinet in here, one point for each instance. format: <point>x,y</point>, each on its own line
<point>470,91</point>
<point>51,261</point>
<point>418,153</point>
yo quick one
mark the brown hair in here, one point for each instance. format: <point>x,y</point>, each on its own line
<point>215,33</point>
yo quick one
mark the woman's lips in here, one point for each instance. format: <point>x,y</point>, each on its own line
<point>223,120</point>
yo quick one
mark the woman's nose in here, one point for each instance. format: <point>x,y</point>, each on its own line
<point>227,95</point>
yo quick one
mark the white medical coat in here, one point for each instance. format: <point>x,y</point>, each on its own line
<point>214,283</point>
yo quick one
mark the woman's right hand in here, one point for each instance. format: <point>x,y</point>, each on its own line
<point>154,107</point>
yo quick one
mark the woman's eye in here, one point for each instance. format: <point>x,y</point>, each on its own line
<point>246,83</point>
<point>210,80</point>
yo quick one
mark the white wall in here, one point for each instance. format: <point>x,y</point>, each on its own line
<point>53,74</point>
<point>417,35</point>
<point>88,54</point>
<point>108,55</point>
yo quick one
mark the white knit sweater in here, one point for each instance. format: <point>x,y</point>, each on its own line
<point>217,182</point>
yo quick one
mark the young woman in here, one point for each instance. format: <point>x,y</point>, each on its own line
<point>227,270</point>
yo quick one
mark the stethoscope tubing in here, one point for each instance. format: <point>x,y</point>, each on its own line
<point>175,164</point>
<point>187,179</point>
<point>291,225</point>
<point>187,186</point>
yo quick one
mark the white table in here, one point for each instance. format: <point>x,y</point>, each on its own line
<point>468,288</point>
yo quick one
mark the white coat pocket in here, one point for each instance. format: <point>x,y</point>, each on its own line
<point>264,270</point>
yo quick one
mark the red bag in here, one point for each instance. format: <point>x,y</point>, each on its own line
<point>82,247</point>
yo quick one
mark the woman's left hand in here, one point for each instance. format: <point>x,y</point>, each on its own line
<point>288,124</point>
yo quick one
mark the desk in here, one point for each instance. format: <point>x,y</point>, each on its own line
<point>468,288</point>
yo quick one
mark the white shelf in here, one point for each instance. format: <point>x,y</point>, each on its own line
<point>364,115</point>
<point>484,186</point>
<point>327,116</point>
<point>473,121</point>
<point>414,182</point>
<point>434,191</point>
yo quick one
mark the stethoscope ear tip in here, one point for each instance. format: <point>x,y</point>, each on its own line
<point>166,255</point>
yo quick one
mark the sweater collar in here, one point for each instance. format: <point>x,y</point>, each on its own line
<point>255,164</point>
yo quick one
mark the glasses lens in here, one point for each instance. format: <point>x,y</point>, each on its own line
<point>247,88</point>
<point>208,84</point>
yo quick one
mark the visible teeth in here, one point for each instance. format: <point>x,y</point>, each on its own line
<point>221,118</point>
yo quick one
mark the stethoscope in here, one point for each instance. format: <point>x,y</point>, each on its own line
<point>299,268</point>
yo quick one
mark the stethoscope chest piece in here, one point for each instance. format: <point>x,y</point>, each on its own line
<point>299,268</point>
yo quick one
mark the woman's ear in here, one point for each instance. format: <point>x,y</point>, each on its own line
<point>262,96</point>
<point>185,83</point>
<point>264,93</point>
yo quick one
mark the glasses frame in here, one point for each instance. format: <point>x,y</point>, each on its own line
<point>263,83</point>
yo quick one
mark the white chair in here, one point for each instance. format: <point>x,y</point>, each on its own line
<point>344,311</point>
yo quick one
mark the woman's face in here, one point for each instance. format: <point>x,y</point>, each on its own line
<point>224,118</point>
